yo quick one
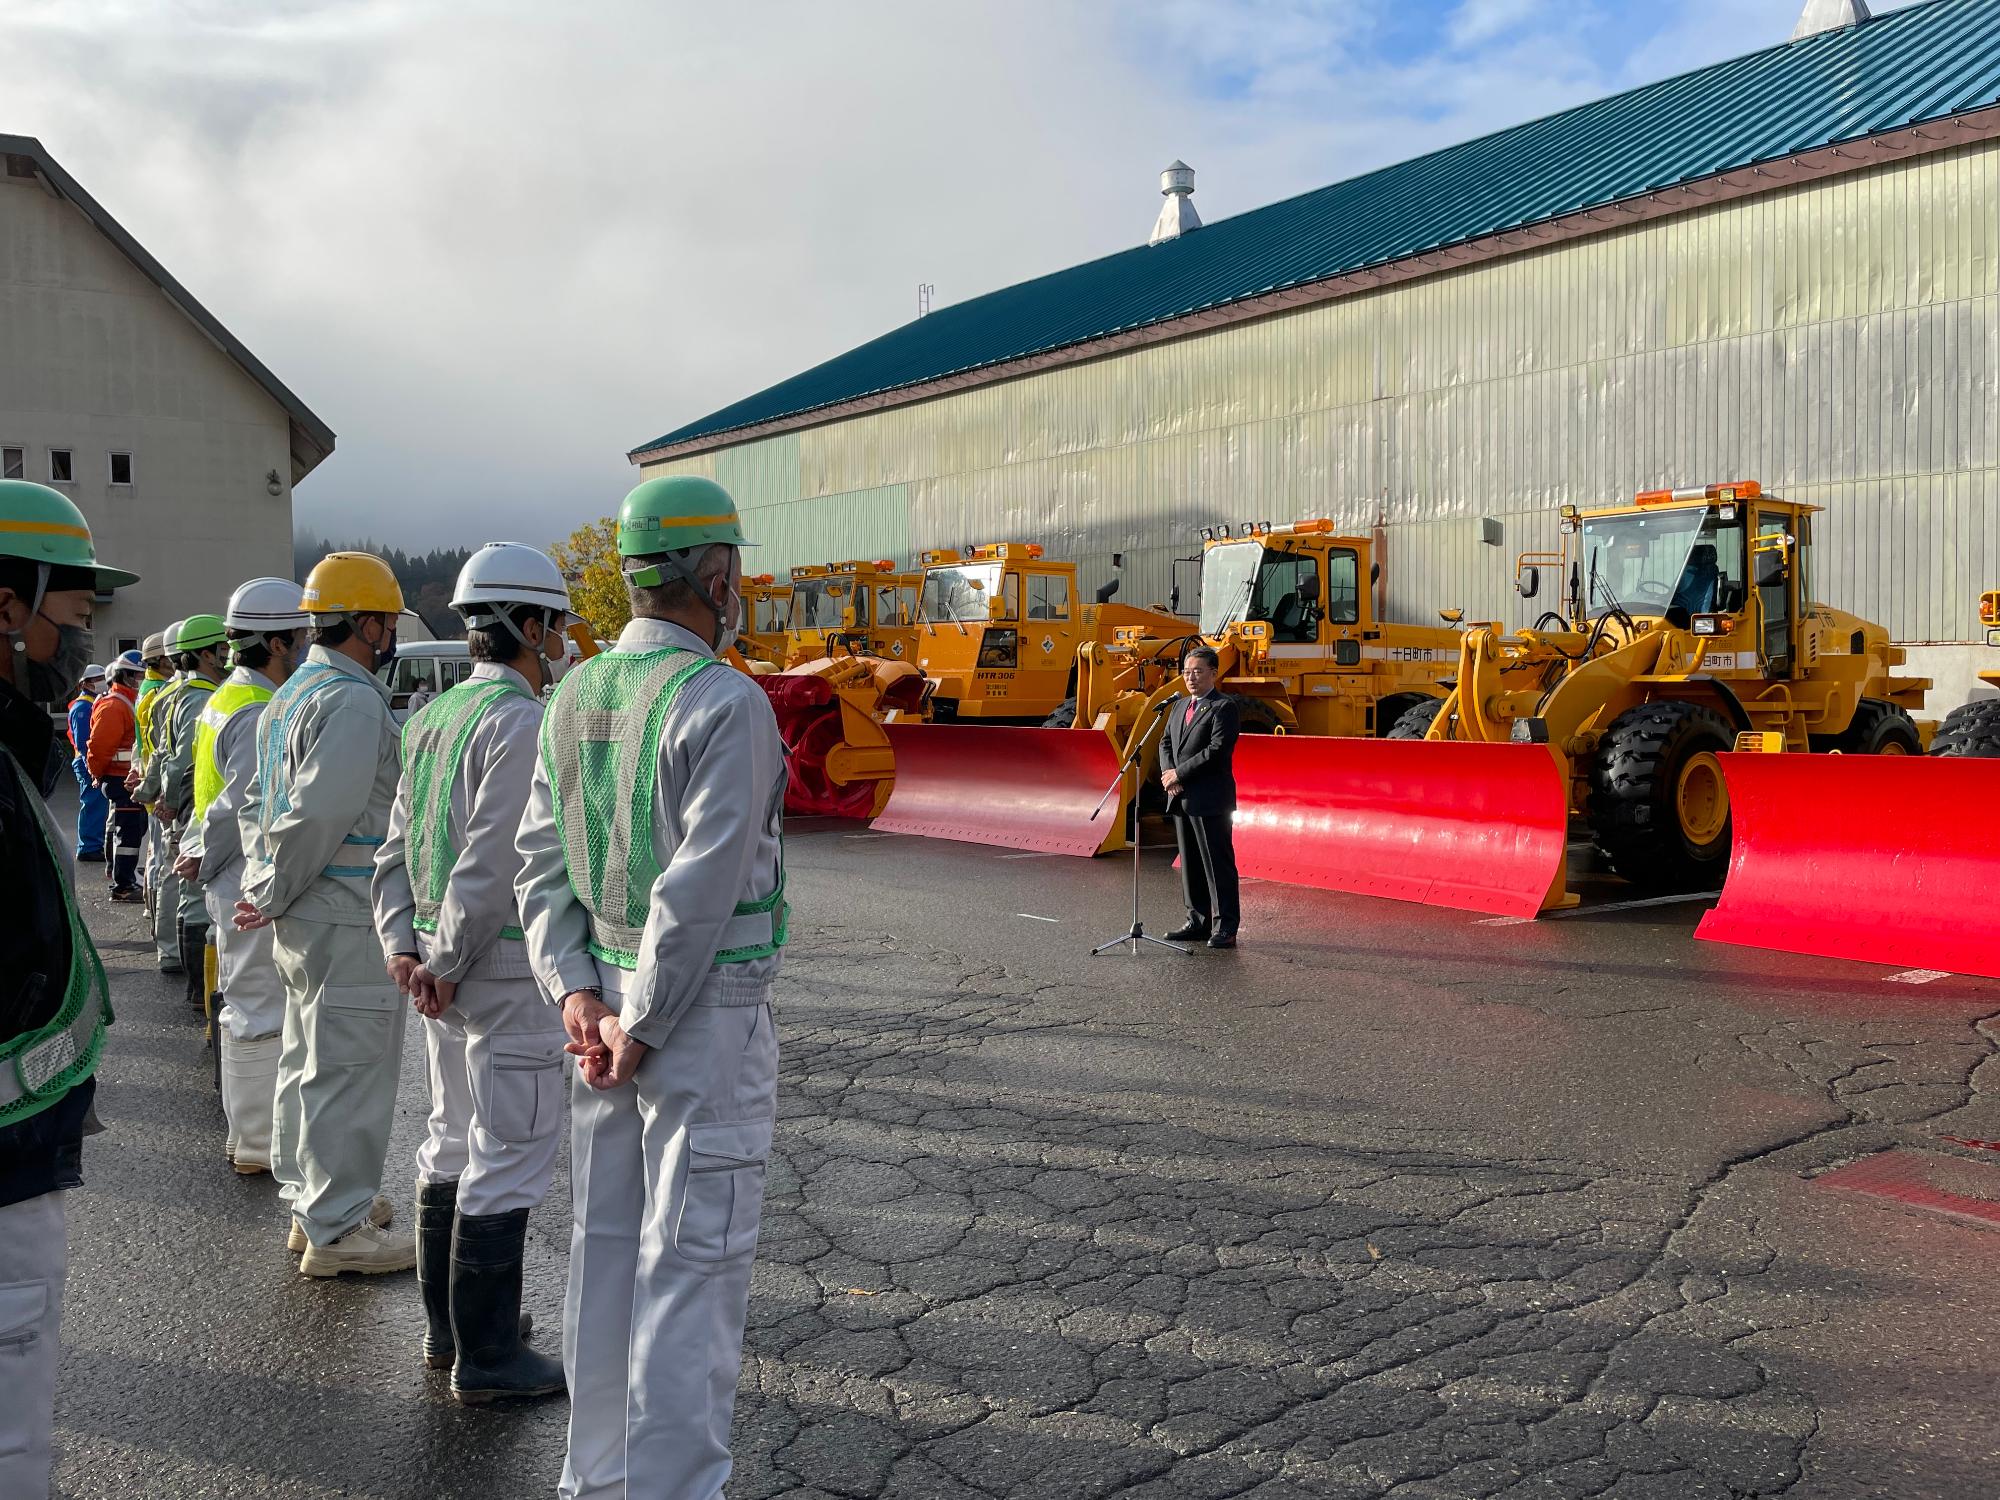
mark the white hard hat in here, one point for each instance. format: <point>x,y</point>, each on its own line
<point>93,673</point>
<point>509,573</point>
<point>267,604</point>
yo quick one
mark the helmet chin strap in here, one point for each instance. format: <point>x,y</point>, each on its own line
<point>649,577</point>
<point>17,659</point>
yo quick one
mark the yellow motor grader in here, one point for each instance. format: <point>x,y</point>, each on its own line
<point>1686,620</point>
<point>1973,729</point>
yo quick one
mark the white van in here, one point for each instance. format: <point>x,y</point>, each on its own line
<point>426,668</point>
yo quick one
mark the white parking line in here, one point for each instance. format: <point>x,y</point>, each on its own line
<point>1033,918</point>
<point>1031,854</point>
<point>1918,976</point>
<point>868,835</point>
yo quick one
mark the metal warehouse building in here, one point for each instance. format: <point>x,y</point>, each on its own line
<point>1785,268</point>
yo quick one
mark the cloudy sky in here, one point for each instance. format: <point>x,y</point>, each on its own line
<point>495,244</point>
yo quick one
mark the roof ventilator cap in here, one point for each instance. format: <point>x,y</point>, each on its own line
<point>1830,15</point>
<point>1177,215</point>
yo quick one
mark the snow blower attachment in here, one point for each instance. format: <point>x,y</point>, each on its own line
<point>1886,860</point>
<point>837,760</point>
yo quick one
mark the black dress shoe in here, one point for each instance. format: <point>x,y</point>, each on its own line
<point>1188,932</point>
<point>1223,940</point>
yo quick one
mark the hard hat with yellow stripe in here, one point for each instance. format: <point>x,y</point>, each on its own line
<point>351,583</point>
<point>676,513</point>
<point>41,525</point>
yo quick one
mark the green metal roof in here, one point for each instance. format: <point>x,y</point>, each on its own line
<point>1920,63</point>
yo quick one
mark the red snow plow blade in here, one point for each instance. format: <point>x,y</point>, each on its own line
<point>1886,859</point>
<point>1477,827</point>
<point>1019,788</point>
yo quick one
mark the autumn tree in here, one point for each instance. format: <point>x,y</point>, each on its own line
<point>589,563</point>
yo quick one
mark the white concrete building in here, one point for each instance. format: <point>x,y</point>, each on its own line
<point>122,391</point>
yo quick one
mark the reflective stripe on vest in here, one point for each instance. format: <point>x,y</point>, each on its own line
<point>40,1066</point>
<point>169,704</point>
<point>600,751</point>
<point>274,732</point>
<point>228,700</point>
<point>434,744</point>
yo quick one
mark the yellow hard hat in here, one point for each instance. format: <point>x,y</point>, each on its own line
<point>351,583</point>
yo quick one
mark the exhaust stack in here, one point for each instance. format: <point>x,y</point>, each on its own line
<point>1830,15</point>
<point>1177,215</point>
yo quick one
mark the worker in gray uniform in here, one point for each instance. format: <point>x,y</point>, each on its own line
<point>451,937</point>
<point>327,767</point>
<point>201,651</point>
<point>163,889</point>
<point>267,640</point>
<point>652,895</point>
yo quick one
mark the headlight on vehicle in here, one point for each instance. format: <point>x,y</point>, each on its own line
<point>1711,625</point>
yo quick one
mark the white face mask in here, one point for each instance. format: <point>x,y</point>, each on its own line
<point>555,666</point>
<point>731,625</point>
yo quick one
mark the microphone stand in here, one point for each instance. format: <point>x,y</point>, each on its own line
<point>1132,939</point>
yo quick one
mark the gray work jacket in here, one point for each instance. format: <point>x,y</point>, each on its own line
<point>488,794</point>
<point>718,823</point>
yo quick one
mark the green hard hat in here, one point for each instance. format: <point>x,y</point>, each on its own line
<point>197,633</point>
<point>675,513</point>
<point>42,525</point>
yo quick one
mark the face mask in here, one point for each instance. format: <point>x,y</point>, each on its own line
<point>387,652</point>
<point>50,681</point>
<point>731,624</point>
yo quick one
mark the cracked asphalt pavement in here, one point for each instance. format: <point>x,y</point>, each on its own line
<point>1389,1202</point>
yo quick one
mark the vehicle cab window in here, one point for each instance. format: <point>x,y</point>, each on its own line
<point>1048,596</point>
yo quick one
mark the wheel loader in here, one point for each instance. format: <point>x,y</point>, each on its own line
<point>1289,613</point>
<point>995,639</point>
<point>1686,620</point>
<point>1974,728</point>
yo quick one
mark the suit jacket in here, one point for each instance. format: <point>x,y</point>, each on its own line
<point>1202,752</point>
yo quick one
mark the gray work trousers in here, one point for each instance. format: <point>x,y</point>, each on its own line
<point>337,1073</point>
<point>166,886</point>
<point>497,1103</point>
<point>33,1262</point>
<point>667,1173</point>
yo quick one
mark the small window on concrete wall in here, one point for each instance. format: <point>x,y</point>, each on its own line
<point>61,467</point>
<point>121,468</point>
<point>13,463</point>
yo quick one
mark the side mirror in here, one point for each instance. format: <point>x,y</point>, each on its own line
<point>1374,573</point>
<point>1528,582</point>
<point>996,609</point>
<point>1771,567</point>
<point>1309,588</point>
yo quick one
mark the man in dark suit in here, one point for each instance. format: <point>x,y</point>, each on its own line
<point>1195,770</point>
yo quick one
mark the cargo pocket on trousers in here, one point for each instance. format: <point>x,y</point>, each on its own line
<point>355,1024</point>
<point>524,1094</point>
<point>23,1306</point>
<point>724,1190</point>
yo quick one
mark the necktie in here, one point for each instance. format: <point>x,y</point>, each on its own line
<point>1188,717</point>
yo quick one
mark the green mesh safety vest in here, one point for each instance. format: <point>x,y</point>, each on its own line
<point>434,744</point>
<point>38,1067</point>
<point>601,753</point>
<point>223,705</point>
<point>169,705</point>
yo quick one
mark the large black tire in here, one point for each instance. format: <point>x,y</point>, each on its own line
<point>1878,728</point>
<point>1636,796</point>
<point>1065,715</point>
<point>1390,710</point>
<point>1255,715</point>
<point>1416,722</point>
<point>1971,730</point>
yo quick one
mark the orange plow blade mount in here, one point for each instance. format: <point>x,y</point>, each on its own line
<point>1886,859</point>
<point>1018,788</point>
<point>1472,826</point>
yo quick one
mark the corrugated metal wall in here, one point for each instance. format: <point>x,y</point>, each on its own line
<point>1839,342</point>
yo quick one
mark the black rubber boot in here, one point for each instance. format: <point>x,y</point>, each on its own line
<point>486,1251</point>
<point>437,1206</point>
<point>194,955</point>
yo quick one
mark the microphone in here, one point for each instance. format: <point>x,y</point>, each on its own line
<point>1164,704</point>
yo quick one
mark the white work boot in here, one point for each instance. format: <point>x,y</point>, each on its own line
<point>366,1248</point>
<point>381,1213</point>
<point>249,1095</point>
